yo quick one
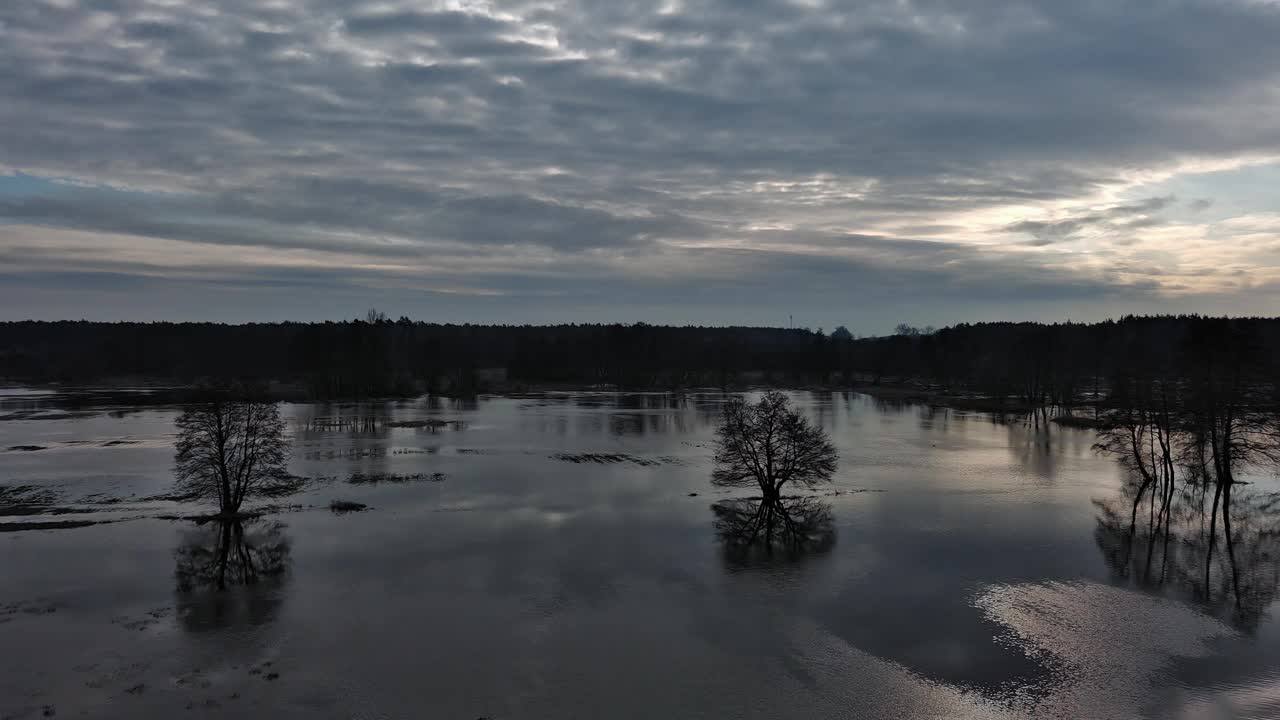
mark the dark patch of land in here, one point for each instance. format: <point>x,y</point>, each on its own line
<point>349,454</point>
<point>11,495</point>
<point>40,415</point>
<point>606,458</point>
<point>21,510</point>
<point>146,620</point>
<point>32,501</point>
<point>40,606</point>
<point>893,391</point>
<point>1080,421</point>
<point>49,525</point>
<point>374,478</point>
<point>223,517</point>
<point>428,423</point>
<point>341,507</point>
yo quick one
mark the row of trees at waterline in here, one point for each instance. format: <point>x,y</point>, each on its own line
<point>1188,424</point>
<point>1025,365</point>
<point>1030,366</point>
<point>377,357</point>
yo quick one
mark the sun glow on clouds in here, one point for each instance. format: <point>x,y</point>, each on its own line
<point>862,163</point>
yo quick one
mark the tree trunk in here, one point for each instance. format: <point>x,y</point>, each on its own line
<point>224,498</point>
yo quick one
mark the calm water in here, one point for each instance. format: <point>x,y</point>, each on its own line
<point>969,576</point>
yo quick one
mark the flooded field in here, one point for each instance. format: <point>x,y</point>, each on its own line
<point>562,556</point>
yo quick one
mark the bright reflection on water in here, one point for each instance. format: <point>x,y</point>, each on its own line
<point>957,567</point>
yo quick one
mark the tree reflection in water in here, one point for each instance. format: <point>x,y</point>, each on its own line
<point>788,527</point>
<point>1236,575</point>
<point>231,573</point>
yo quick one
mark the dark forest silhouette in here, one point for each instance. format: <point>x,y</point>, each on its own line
<point>1025,366</point>
<point>378,357</point>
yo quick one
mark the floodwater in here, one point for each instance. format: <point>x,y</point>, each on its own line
<point>970,570</point>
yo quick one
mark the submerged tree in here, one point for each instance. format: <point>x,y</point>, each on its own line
<point>1144,432</point>
<point>231,450</point>
<point>770,444</point>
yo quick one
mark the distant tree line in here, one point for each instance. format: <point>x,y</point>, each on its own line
<point>1066,364</point>
<point>1025,364</point>
<point>375,356</point>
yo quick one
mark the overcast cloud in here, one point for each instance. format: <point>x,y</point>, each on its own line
<point>693,162</point>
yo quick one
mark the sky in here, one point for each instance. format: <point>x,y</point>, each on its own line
<point>812,162</point>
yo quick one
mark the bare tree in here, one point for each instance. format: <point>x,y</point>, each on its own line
<point>1144,431</point>
<point>770,444</point>
<point>231,450</point>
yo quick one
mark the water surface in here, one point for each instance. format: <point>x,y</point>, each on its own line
<point>971,574</point>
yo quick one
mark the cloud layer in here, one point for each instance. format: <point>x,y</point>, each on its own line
<point>672,161</point>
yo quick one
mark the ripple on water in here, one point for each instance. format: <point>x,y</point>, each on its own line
<point>1108,645</point>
